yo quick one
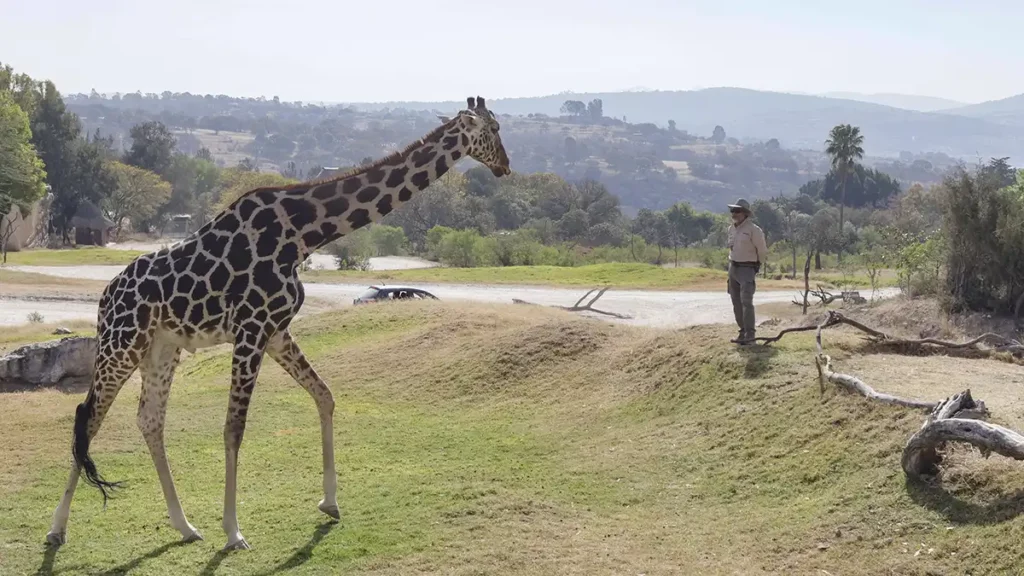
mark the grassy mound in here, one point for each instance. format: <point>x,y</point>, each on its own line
<point>512,440</point>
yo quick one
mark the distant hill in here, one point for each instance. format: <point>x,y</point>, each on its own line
<point>905,101</point>
<point>1008,111</point>
<point>797,121</point>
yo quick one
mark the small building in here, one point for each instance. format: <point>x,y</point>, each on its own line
<point>92,228</point>
<point>180,225</point>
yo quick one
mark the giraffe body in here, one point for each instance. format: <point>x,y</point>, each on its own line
<point>235,281</point>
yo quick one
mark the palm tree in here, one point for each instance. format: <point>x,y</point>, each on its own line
<point>844,146</point>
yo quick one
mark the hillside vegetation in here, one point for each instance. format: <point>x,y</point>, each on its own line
<point>512,441</point>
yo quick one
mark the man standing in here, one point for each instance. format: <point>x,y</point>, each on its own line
<point>747,252</point>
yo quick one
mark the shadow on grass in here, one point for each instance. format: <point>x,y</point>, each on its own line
<point>300,557</point>
<point>932,495</point>
<point>46,569</point>
<point>758,358</point>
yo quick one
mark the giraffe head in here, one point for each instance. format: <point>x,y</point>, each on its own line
<point>481,128</point>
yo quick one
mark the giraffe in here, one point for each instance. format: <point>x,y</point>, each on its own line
<point>235,281</point>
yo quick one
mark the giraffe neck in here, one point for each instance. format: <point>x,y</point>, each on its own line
<point>351,202</point>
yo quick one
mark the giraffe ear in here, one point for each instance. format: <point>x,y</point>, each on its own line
<point>444,119</point>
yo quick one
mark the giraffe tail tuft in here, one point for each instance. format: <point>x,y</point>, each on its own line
<point>80,451</point>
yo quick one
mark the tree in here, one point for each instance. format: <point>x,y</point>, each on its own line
<point>138,196</point>
<point>845,147</point>
<point>388,240</point>
<point>235,182</point>
<point>571,153</point>
<point>204,154</point>
<point>671,125</point>
<point>152,147</point>
<point>574,108</point>
<point>595,109</point>
<point>769,218</point>
<point>718,136</point>
<point>21,171</point>
<point>1001,171</point>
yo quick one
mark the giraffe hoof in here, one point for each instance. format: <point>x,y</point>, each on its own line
<point>195,536</point>
<point>56,539</point>
<point>239,544</point>
<point>331,510</point>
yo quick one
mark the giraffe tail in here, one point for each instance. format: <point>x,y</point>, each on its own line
<point>80,450</point>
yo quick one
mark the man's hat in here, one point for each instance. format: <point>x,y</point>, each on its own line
<point>740,204</point>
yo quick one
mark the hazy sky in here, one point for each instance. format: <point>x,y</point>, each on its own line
<point>379,50</point>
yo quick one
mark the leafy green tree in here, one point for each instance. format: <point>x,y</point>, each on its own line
<point>22,177</point>
<point>573,226</point>
<point>770,219</point>
<point>845,147</point>
<point>480,182</point>
<point>595,108</point>
<point>152,148</point>
<point>138,195</point>
<point>388,240</point>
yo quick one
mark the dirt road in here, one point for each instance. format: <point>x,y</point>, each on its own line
<point>317,260</point>
<point>648,308</point>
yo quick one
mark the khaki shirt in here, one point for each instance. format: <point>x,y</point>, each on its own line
<point>746,243</point>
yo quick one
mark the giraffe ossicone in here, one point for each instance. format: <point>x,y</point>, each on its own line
<point>235,281</point>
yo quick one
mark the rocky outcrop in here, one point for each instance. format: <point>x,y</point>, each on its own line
<point>49,363</point>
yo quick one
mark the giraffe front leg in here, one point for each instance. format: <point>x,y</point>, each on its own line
<point>287,353</point>
<point>157,373</point>
<point>245,367</point>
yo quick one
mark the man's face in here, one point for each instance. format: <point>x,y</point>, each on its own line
<point>738,216</point>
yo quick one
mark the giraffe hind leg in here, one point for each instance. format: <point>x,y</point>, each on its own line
<point>245,368</point>
<point>157,373</point>
<point>287,353</point>
<point>112,369</point>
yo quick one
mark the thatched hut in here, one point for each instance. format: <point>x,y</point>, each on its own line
<point>91,226</point>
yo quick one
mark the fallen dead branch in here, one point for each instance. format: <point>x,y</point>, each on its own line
<point>580,307</point>
<point>824,297</point>
<point>995,342</point>
<point>850,383</point>
<point>958,418</point>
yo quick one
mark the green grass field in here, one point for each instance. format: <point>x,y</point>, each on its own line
<point>71,256</point>
<point>616,275</point>
<point>499,440</point>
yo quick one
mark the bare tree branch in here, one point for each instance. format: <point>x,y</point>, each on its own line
<point>588,307</point>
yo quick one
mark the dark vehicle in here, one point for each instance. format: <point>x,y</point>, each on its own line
<point>389,293</point>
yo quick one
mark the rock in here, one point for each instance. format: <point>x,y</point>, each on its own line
<point>62,331</point>
<point>48,363</point>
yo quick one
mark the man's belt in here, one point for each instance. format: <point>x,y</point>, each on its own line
<point>745,264</point>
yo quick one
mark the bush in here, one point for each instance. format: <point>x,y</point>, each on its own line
<point>388,240</point>
<point>715,259</point>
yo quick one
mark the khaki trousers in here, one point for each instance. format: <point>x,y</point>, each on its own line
<point>742,284</point>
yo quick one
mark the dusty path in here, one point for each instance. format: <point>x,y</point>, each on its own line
<point>648,308</point>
